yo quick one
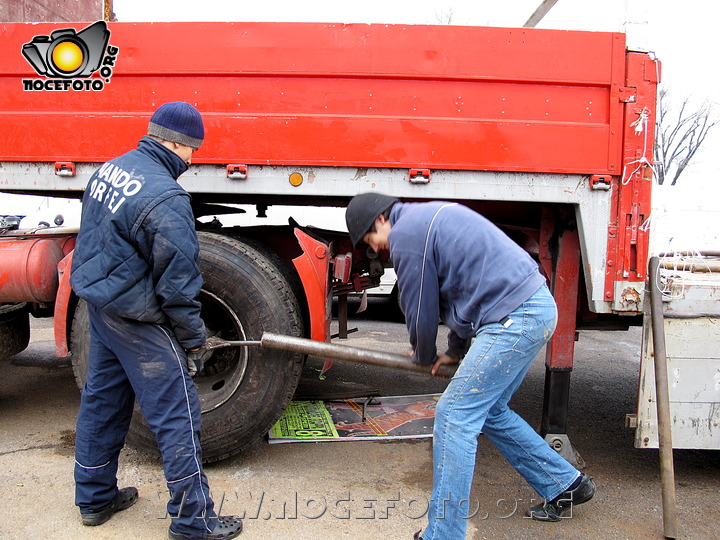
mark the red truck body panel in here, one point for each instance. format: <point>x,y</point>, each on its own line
<point>337,94</point>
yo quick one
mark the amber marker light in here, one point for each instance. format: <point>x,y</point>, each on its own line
<point>296,179</point>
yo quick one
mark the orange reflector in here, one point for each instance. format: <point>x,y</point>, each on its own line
<point>296,179</point>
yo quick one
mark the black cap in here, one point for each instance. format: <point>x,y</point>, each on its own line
<point>362,211</point>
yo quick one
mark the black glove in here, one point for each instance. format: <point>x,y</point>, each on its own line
<point>195,360</point>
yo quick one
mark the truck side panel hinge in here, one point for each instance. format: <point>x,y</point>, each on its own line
<point>627,94</point>
<point>64,168</point>
<point>602,182</point>
<point>419,176</point>
<point>237,172</point>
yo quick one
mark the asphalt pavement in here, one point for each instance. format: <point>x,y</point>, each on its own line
<point>357,489</point>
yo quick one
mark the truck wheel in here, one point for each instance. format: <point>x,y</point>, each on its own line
<point>14,329</point>
<point>243,390</point>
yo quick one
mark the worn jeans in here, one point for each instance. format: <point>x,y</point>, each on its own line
<point>476,401</point>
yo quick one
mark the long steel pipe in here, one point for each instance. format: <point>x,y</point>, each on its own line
<point>351,354</point>
<point>662,394</point>
<point>330,350</point>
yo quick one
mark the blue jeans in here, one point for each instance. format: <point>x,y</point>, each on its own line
<point>476,401</point>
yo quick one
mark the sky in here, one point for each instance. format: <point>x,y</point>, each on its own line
<point>683,35</point>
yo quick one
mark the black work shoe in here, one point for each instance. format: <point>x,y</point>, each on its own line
<point>227,527</point>
<point>554,510</point>
<point>124,499</point>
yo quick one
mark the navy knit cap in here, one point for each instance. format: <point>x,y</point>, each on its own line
<point>362,211</point>
<point>178,122</point>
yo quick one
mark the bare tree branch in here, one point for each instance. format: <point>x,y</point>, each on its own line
<point>679,135</point>
<point>444,16</point>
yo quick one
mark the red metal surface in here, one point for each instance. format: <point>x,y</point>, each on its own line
<point>62,306</point>
<point>628,240</point>
<point>51,10</point>
<point>563,267</point>
<point>333,94</point>
<point>28,269</point>
<point>342,266</point>
<point>312,266</point>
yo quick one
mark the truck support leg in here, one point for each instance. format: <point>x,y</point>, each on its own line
<point>560,255</point>
<point>342,316</point>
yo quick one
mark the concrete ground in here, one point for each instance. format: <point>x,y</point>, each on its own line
<point>359,489</point>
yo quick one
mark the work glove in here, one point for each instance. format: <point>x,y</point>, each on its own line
<point>195,360</point>
<point>197,357</point>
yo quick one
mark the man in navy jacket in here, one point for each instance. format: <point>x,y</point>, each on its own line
<point>135,263</point>
<point>455,266</point>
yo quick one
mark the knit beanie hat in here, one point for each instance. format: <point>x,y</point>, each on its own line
<point>362,211</point>
<point>178,122</point>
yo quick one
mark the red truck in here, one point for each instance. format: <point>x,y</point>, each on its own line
<point>547,133</point>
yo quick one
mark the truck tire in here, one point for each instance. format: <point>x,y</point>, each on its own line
<point>244,390</point>
<point>14,329</point>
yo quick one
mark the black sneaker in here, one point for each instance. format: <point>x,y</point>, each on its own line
<point>227,527</point>
<point>124,499</point>
<point>417,536</point>
<point>554,510</point>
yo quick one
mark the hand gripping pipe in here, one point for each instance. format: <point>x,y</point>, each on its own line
<point>330,350</point>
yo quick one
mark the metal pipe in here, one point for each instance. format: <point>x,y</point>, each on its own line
<point>691,265</point>
<point>330,350</point>
<point>667,470</point>
<point>216,343</point>
<point>351,354</point>
<point>703,253</point>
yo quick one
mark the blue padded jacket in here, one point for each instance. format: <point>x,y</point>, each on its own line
<point>136,253</point>
<point>454,265</point>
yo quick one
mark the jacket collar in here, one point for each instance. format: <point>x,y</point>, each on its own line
<point>397,209</point>
<point>167,158</point>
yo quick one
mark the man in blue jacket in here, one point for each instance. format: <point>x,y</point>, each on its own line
<point>455,266</point>
<point>135,263</point>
